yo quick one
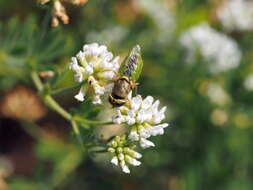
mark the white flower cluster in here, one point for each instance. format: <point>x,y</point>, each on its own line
<point>215,47</point>
<point>123,154</point>
<point>96,66</point>
<point>143,118</point>
<point>236,15</point>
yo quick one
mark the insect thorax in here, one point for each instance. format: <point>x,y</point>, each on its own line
<point>121,88</point>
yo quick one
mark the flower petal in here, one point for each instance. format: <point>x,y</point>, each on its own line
<point>80,95</point>
<point>144,143</point>
<point>97,100</point>
<point>133,136</point>
<point>132,161</point>
<point>147,102</point>
<point>115,161</point>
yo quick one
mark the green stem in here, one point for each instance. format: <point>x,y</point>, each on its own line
<point>56,107</point>
<point>36,80</point>
<point>77,133</point>
<point>62,90</point>
<point>99,151</point>
<point>77,118</point>
<point>50,102</point>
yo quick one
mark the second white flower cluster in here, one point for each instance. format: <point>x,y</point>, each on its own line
<point>143,119</point>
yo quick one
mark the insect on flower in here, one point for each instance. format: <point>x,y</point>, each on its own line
<point>129,73</point>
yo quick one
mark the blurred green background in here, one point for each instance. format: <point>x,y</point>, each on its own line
<point>209,142</point>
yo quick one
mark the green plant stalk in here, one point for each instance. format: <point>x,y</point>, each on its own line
<point>62,90</point>
<point>77,132</point>
<point>51,103</point>
<point>78,118</point>
<point>56,107</point>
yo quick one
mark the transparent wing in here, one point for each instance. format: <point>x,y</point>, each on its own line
<point>132,65</point>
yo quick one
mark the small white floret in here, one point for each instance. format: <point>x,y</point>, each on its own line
<point>125,169</point>
<point>80,96</point>
<point>132,161</point>
<point>144,143</point>
<point>97,100</point>
<point>115,161</point>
